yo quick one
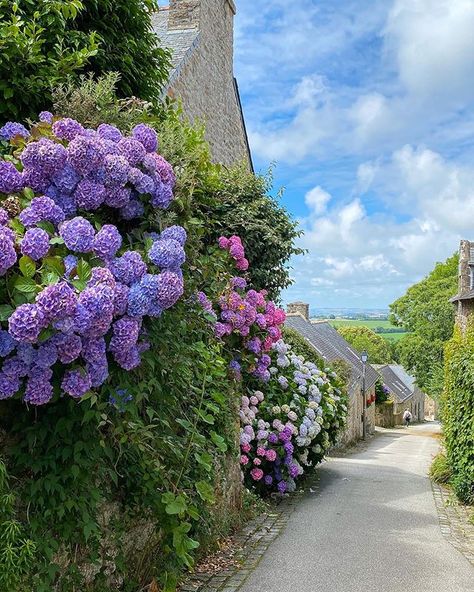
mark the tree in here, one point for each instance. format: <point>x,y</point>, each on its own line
<point>128,45</point>
<point>38,49</point>
<point>426,313</point>
<point>246,208</point>
<point>363,338</point>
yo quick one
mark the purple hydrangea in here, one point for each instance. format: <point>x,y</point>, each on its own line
<point>37,179</point>
<point>76,383</point>
<point>35,243</point>
<point>15,367</point>
<point>78,234</point>
<point>66,179</point>
<point>67,128</point>
<point>7,249</point>
<point>94,350</point>
<point>128,359</point>
<point>56,302</point>
<point>129,268</point>
<point>44,155</point>
<point>89,195</point>
<point>116,170</point>
<point>120,299</point>
<point>170,289</point>
<point>95,311</point>
<point>156,163</point>
<point>4,217</point>
<point>26,353</point>
<point>7,343</point>
<point>162,196</point>
<point>41,209</point>
<point>11,181</point>
<point>69,347</point>
<point>107,242</point>
<point>12,129</point>
<point>167,254</point>
<point>133,209</point>
<point>86,154</point>
<point>117,197</point>
<point>46,117</point>
<point>109,132</point>
<point>138,301</point>
<point>282,486</point>
<point>142,183</point>
<point>146,136</point>
<point>133,150</point>
<point>98,373</point>
<point>39,389</point>
<point>26,323</point>
<point>176,233</point>
<point>125,333</point>
<point>9,385</point>
<point>47,354</point>
<point>238,283</point>
<point>101,275</point>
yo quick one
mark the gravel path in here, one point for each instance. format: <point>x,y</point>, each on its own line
<point>370,525</point>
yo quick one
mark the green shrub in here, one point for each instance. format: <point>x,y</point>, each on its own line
<point>457,411</point>
<point>39,49</point>
<point>440,471</point>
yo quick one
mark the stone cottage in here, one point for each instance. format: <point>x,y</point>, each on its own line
<point>332,347</point>
<point>404,394</point>
<point>200,35</point>
<point>464,299</point>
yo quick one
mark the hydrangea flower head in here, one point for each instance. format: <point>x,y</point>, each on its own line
<point>78,234</point>
<point>12,129</point>
<point>26,323</point>
<point>35,243</point>
<point>11,180</point>
<point>167,254</point>
<point>146,136</point>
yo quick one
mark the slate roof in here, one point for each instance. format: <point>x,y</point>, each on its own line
<point>467,296</point>
<point>181,42</point>
<point>332,346</point>
<point>398,387</point>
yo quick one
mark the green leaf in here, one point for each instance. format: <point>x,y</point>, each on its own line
<point>219,441</point>
<point>177,505</point>
<point>25,285</point>
<point>5,312</point>
<point>205,460</point>
<point>205,491</point>
<point>57,240</point>
<point>84,270</point>
<point>55,264</point>
<point>27,266</point>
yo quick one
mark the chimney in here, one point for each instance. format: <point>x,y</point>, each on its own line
<point>299,308</point>
<point>184,14</point>
<point>464,267</point>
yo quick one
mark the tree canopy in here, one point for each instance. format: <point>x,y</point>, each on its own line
<point>426,313</point>
<point>363,338</point>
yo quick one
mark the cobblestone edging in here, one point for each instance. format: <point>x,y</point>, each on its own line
<point>454,521</point>
<point>248,547</point>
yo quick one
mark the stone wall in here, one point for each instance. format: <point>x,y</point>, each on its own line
<point>384,415</point>
<point>206,82</point>
<point>353,431</point>
<point>464,307</point>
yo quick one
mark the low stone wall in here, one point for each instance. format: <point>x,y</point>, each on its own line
<point>384,415</point>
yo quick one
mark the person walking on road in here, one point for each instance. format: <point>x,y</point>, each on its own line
<point>407,417</point>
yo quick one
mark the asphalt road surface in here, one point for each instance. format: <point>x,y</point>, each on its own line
<point>370,526</point>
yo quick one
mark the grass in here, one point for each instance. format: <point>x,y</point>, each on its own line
<point>371,324</point>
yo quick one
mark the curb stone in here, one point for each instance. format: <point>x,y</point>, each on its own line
<point>454,521</point>
<point>251,542</point>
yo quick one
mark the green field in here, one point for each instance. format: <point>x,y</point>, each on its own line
<point>371,324</point>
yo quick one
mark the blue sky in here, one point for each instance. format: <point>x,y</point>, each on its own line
<point>366,109</point>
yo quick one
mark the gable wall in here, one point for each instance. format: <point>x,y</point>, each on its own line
<point>206,82</point>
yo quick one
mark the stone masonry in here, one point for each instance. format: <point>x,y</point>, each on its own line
<point>203,79</point>
<point>464,301</point>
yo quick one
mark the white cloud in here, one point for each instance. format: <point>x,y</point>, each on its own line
<point>317,199</point>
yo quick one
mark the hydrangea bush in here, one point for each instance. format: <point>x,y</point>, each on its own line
<point>245,319</point>
<point>79,275</point>
<point>288,424</point>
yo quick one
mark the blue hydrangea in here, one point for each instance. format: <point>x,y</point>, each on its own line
<point>167,254</point>
<point>35,243</point>
<point>78,234</point>
<point>12,129</point>
<point>7,344</point>
<point>177,233</point>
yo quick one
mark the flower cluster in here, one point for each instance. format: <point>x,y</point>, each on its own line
<point>249,322</point>
<point>236,250</point>
<point>292,424</point>
<point>80,300</point>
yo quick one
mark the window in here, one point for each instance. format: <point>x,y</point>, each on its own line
<point>471,270</point>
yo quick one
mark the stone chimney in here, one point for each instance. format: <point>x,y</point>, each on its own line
<point>184,14</point>
<point>299,308</point>
<point>187,14</point>
<point>465,266</point>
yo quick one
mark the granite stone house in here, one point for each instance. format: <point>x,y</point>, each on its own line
<point>464,299</point>
<point>332,347</point>
<point>200,35</point>
<point>404,394</point>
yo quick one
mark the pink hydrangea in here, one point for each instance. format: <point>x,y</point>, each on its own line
<point>256,474</point>
<point>244,459</point>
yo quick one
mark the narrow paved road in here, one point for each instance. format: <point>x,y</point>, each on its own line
<point>371,525</point>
